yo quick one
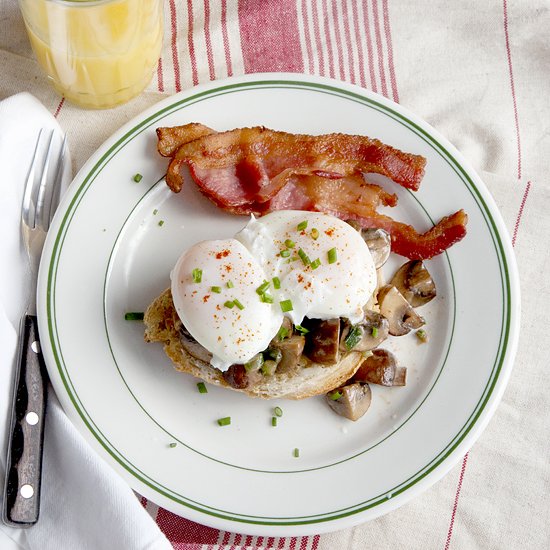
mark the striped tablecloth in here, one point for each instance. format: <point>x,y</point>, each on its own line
<point>479,72</point>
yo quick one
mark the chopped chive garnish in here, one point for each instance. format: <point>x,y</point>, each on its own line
<point>138,178</point>
<point>289,243</point>
<point>161,223</point>
<point>277,411</point>
<point>197,275</point>
<point>335,395</point>
<point>266,298</point>
<point>332,255</point>
<point>229,284</point>
<point>294,258</point>
<point>286,305</point>
<point>201,386</point>
<point>314,234</point>
<point>229,304</point>
<point>296,453</point>
<point>375,332</point>
<point>301,329</point>
<point>216,289</point>
<point>224,421</point>
<point>282,334</point>
<point>276,283</point>
<point>302,225</point>
<point>172,445</point>
<point>255,363</point>
<point>263,287</point>
<point>422,335</point>
<point>134,316</point>
<point>155,212</point>
<point>285,253</point>
<point>304,257</point>
<point>353,337</point>
<point>315,263</point>
<point>238,304</point>
<point>273,420</point>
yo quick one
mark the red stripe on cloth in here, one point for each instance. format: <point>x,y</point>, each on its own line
<point>307,37</point>
<point>277,46</point>
<point>387,31</point>
<point>225,539</point>
<point>520,213</point>
<point>208,41</point>
<point>328,40</point>
<point>339,44</point>
<point>293,542</point>
<point>174,44</point>
<point>318,41</point>
<point>358,41</point>
<point>248,541</point>
<point>304,543</point>
<point>455,505</point>
<point>183,531</point>
<point>349,42</point>
<point>143,501</point>
<point>512,86</point>
<point>225,38</point>
<point>59,107</point>
<point>316,540</point>
<point>160,77</point>
<point>282,542</point>
<point>370,48</point>
<point>270,542</point>
<point>378,36</point>
<point>190,43</point>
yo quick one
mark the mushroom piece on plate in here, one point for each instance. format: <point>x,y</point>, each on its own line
<point>371,332</point>
<point>381,368</point>
<point>351,401</point>
<point>400,314</point>
<point>415,283</point>
<point>378,240</point>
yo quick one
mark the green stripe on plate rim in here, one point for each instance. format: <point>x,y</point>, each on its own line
<point>308,86</point>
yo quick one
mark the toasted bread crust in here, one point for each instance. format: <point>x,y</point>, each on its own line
<point>161,322</point>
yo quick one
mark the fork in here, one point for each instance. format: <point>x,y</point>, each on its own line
<point>24,458</point>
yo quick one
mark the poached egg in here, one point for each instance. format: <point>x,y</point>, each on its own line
<point>231,295</point>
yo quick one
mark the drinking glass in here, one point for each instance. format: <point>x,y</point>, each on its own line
<point>96,53</point>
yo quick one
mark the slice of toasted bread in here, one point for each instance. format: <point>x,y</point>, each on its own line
<point>162,325</point>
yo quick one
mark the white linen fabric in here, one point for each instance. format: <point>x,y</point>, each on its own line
<point>84,504</point>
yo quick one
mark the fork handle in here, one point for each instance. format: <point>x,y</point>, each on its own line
<point>24,459</point>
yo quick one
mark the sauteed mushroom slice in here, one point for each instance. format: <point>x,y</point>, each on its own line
<point>381,368</point>
<point>378,240</point>
<point>322,341</point>
<point>379,243</point>
<point>415,283</point>
<point>351,401</point>
<point>400,314</point>
<point>192,347</point>
<point>371,332</point>
<point>291,352</point>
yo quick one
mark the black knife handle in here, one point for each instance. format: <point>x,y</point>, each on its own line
<point>24,458</point>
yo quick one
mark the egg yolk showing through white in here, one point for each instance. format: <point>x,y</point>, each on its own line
<point>231,295</point>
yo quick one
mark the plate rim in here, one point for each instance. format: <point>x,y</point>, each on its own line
<point>504,252</point>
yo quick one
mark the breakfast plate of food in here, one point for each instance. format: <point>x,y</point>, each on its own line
<point>278,304</point>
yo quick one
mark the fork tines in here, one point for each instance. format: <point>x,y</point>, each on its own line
<point>43,181</point>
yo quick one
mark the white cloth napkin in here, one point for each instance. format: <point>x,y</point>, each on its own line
<point>84,503</point>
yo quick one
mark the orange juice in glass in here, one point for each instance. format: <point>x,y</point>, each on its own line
<point>97,53</point>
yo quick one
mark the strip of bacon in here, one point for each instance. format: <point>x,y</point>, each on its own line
<point>354,199</point>
<point>263,160</point>
<point>171,138</point>
<point>256,171</point>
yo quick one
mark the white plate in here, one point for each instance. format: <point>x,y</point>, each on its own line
<point>107,254</point>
